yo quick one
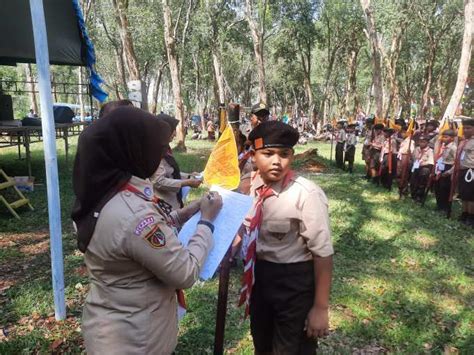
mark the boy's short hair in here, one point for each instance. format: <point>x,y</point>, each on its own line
<point>449,133</point>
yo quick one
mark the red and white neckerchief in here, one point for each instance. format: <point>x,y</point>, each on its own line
<point>250,239</point>
<point>166,208</point>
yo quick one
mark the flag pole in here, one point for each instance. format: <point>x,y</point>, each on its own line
<point>222,303</point>
<point>50,158</point>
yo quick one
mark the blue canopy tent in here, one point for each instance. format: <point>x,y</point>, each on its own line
<point>49,33</point>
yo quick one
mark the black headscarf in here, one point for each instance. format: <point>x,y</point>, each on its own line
<point>126,142</point>
<point>169,158</point>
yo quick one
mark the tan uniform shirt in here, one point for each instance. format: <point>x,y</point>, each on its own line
<point>425,156</point>
<point>340,136</point>
<point>378,141</point>
<point>407,146</point>
<point>165,186</point>
<point>351,139</point>
<point>467,155</point>
<point>295,224</point>
<point>390,145</point>
<point>448,153</point>
<point>136,263</point>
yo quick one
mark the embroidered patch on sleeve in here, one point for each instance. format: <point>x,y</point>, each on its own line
<point>156,238</point>
<point>145,222</point>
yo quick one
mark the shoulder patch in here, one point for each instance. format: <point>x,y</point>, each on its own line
<point>145,222</point>
<point>156,238</point>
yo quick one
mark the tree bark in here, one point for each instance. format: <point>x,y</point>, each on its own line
<point>465,60</point>
<point>170,42</point>
<point>374,42</point>
<point>131,61</point>
<point>216,62</point>
<point>257,32</point>
<point>32,87</point>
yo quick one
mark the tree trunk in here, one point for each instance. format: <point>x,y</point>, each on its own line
<point>32,87</point>
<point>156,90</point>
<point>131,61</point>
<point>81,99</point>
<point>465,60</point>
<point>257,32</point>
<point>218,74</point>
<point>170,42</point>
<point>374,41</point>
<point>350,94</point>
<point>425,102</point>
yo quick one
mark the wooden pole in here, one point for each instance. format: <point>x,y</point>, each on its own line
<point>50,158</point>
<point>222,304</point>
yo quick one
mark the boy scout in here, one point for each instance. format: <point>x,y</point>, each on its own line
<point>376,146</point>
<point>351,141</point>
<point>423,162</point>
<point>259,114</point>
<point>407,147</point>
<point>340,141</point>
<point>389,160</point>
<point>466,173</point>
<point>442,185</point>
<point>287,244</point>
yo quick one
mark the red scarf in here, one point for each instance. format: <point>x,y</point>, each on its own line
<point>251,236</point>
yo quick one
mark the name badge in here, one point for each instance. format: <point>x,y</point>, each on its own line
<point>463,155</point>
<point>440,166</point>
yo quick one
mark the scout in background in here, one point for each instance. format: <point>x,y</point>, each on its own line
<point>423,162</point>
<point>259,113</point>
<point>466,173</point>
<point>376,146</point>
<point>351,142</point>
<point>168,180</point>
<point>405,153</point>
<point>369,122</point>
<point>431,133</point>
<point>443,171</point>
<point>340,135</point>
<point>389,152</point>
<point>287,247</point>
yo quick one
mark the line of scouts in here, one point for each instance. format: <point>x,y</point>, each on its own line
<point>136,263</point>
<point>418,161</point>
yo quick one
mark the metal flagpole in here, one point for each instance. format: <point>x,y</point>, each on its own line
<point>50,159</point>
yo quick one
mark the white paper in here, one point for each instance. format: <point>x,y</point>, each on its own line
<point>416,165</point>
<point>226,225</point>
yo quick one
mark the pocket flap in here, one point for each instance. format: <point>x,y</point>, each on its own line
<point>278,226</point>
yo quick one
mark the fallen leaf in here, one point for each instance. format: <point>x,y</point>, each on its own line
<point>56,344</point>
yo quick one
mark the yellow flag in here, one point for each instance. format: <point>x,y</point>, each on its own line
<point>411,127</point>
<point>460,131</point>
<point>222,167</point>
<point>444,127</point>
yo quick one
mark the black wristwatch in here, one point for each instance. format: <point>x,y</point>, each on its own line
<point>207,223</point>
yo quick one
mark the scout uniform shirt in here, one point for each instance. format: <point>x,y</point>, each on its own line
<point>378,141</point>
<point>295,223</point>
<point>341,136</point>
<point>136,263</point>
<point>166,187</point>
<point>423,156</point>
<point>448,153</point>
<point>466,159</point>
<point>351,139</point>
<point>390,145</point>
<point>407,146</point>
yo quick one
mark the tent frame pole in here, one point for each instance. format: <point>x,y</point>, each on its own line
<point>50,157</point>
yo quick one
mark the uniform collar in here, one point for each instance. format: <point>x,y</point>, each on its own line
<point>277,187</point>
<point>143,185</point>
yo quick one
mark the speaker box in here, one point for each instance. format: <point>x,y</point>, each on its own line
<point>6,108</point>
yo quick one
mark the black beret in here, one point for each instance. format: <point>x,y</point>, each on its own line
<point>273,134</point>
<point>468,122</point>
<point>424,138</point>
<point>171,121</point>
<point>352,125</point>
<point>378,126</point>
<point>388,130</point>
<point>260,109</point>
<point>341,122</point>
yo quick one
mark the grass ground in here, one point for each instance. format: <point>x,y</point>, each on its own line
<point>403,280</point>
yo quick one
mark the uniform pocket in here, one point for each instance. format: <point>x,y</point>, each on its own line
<point>278,228</point>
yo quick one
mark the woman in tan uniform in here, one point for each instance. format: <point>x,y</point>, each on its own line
<point>135,262</point>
